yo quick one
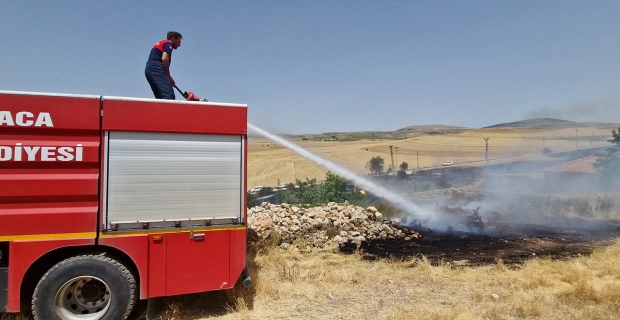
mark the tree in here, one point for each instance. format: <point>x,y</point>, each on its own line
<point>616,136</point>
<point>375,165</point>
<point>404,166</point>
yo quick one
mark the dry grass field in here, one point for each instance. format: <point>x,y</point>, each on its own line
<point>269,163</point>
<point>330,285</point>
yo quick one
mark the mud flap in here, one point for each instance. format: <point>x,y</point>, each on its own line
<point>4,285</point>
<point>153,307</point>
<point>245,275</point>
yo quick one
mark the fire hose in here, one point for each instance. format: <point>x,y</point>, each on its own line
<point>189,96</point>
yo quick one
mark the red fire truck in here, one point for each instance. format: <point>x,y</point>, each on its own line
<point>106,200</point>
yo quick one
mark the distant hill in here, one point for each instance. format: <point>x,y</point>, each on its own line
<point>407,132</point>
<point>536,123</point>
<point>432,129</point>
<point>541,123</point>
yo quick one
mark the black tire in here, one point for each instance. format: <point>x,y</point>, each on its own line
<point>94,285</point>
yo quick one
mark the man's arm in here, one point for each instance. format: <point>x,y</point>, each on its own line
<point>165,59</point>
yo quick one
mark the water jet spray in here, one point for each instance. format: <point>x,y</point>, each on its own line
<point>407,206</point>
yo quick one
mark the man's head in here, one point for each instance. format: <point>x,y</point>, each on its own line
<point>175,37</point>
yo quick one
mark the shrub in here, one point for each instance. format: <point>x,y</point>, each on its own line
<point>265,191</point>
<point>581,206</point>
<point>333,189</point>
<point>251,199</point>
<point>604,204</point>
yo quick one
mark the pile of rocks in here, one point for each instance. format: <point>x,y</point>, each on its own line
<point>323,226</point>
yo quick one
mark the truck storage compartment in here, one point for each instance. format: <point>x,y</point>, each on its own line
<point>164,180</point>
<point>49,165</point>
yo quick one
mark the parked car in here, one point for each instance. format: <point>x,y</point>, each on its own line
<point>447,163</point>
<point>281,186</point>
<point>256,189</point>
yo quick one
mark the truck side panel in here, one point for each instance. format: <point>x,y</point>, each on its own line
<point>197,261</point>
<point>176,172</point>
<point>49,171</point>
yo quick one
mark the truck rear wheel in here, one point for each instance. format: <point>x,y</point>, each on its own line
<point>85,287</point>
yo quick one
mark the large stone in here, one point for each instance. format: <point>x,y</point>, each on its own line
<point>358,241</point>
<point>378,216</point>
<point>262,223</point>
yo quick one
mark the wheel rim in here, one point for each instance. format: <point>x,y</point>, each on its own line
<point>83,298</point>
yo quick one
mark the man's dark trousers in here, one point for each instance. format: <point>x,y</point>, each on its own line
<point>158,79</point>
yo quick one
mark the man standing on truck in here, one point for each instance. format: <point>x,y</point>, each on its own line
<point>157,69</point>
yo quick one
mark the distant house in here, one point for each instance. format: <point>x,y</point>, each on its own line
<point>580,168</point>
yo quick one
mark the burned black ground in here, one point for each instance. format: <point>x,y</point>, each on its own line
<point>513,244</point>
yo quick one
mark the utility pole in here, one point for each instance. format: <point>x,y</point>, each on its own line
<point>576,139</point>
<point>396,155</point>
<point>417,158</point>
<point>486,150</point>
<point>392,166</point>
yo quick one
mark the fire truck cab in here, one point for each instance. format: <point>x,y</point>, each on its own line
<point>107,200</point>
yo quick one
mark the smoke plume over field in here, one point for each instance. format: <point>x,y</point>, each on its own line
<point>581,111</point>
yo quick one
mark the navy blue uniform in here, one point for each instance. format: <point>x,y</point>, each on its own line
<point>156,73</point>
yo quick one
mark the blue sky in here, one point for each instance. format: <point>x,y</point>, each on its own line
<point>319,66</point>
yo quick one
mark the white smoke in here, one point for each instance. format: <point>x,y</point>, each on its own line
<point>605,110</point>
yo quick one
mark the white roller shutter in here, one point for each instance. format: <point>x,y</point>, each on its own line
<point>155,177</point>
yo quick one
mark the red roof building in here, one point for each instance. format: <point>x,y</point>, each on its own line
<point>583,165</point>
